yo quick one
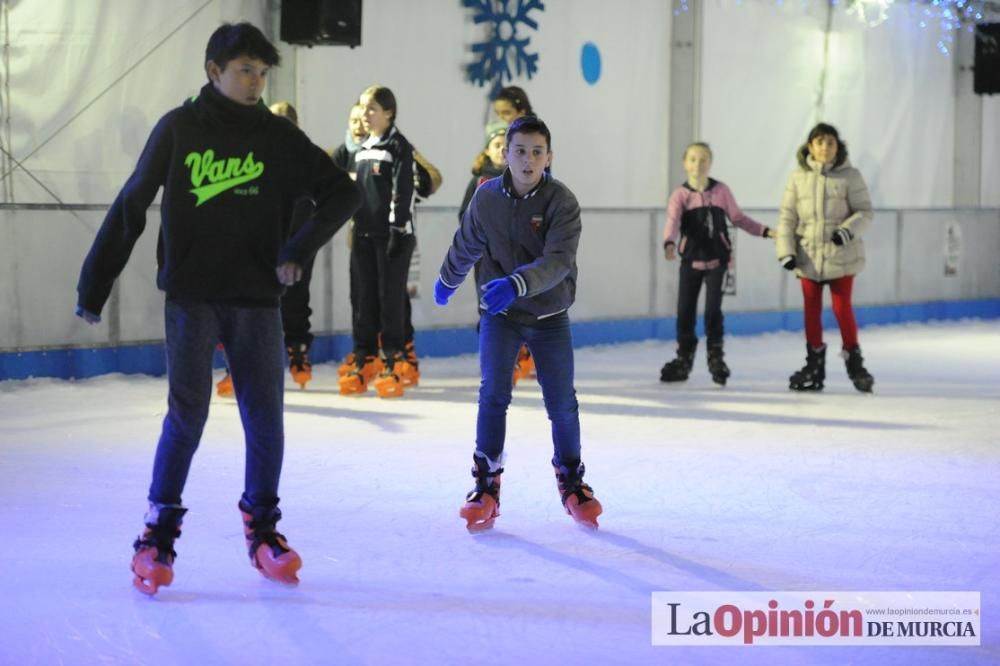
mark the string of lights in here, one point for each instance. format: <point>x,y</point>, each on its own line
<point>949,16</point>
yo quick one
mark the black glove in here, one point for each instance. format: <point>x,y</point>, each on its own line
<point>788,263</point>
<point>841,236</point>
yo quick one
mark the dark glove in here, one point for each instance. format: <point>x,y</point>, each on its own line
<point>841,236</point>
<point>442,292</point>
<point>86,315</point>
<point>788,263</point>
<point>498,295</point>
<point>396,236</point>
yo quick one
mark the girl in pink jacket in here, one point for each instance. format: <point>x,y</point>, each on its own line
<point>696,213</point>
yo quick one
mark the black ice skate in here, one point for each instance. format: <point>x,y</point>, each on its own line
<point>717,366</point>
<point>810,377</point>
<point>862,379</point>
<point>678,369</point>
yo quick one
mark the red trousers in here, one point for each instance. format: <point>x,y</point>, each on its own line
<point>840,292</point>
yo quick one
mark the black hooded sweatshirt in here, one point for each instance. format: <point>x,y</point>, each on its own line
<point>231,175</point>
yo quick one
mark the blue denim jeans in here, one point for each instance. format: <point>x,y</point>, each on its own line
<point>252,337</point>
<point>551,345</point>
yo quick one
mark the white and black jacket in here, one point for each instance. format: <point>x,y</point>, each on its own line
<point>385,176</point>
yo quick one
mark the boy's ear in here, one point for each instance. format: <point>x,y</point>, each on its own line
<point>214,71</point>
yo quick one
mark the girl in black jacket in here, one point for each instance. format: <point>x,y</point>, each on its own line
<point>381,251</point>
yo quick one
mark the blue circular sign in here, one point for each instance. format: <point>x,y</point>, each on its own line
<point>590,63</point>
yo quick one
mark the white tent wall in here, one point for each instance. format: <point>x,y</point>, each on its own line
<point>609,139</point>
<point>88,80</point>
<point>990,183</point>
<point>888,90</point>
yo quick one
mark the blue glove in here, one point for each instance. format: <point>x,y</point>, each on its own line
<point>498,295</point>
<point>442,292</point>
<point>841,236</point>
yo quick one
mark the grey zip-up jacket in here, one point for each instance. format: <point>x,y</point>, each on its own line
<point>531,239</point>
<point>819,200</point>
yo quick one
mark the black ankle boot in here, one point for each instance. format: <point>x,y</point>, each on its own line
<point>862,379</point>
<point>810,377</point>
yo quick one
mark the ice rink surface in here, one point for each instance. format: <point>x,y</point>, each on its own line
<point>750,487</point>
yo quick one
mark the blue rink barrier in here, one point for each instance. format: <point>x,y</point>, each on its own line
<point>148,359</point>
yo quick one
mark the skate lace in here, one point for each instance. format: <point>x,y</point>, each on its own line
<point>484,485</point>
<point>579,490</point>
<point>160,537</point>
<point>266,534</point>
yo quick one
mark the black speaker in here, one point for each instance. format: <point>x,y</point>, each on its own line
<point>316,22</point>
<point>986,69</point>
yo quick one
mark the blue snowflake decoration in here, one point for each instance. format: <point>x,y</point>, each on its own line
<point>505,50</point>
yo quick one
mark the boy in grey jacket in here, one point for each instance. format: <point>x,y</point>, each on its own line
<point>525,227</point>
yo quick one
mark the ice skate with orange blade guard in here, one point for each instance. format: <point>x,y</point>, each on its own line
<point>299,365</point>
<point>390,384</point>
<point>357,380</point>
<point>268,549</point>
<point>153,562</point>
<point>482,504</point>
<point>577,497</point>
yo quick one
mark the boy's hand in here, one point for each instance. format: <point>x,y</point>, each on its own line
<point>498,295</point>
<point>768,232</point>
<point>289,273</point>
<point>87,315</point>
<point>442,292</point>
<point>788,263</point>
<point>669,250</point>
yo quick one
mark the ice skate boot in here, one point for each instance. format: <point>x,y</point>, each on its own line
<point>299,365</point>
<point>577,497</point>
<point>525,365</point>
<point>412,375</point>
<point>268,549</point>
<point>861,378</point>
<point>811,376</point>
<point>346,365</point>
<point>678,369</point>
<point>482,504</point>
<point>224,389</point>
<point>390,383</point>
<point>153,562</point>
<point>717,366</point>
<point>356,381</point>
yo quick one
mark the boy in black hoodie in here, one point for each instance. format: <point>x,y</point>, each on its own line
<point>230,172</point>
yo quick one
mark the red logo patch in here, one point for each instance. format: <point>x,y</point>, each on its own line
<point>536,222</point>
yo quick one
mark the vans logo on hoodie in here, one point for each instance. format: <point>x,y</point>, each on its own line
<point>221,175</point>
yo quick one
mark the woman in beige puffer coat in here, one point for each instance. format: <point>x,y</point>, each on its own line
<point>824,212</point>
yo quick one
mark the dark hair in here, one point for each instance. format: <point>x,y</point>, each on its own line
<point>384,98</point>
<point>517,98</point>
<point>529,125</point>
<point>823,129</point>
<point>232,40</point>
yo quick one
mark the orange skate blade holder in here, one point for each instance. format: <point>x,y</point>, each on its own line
<point>281,568</point>
<point>150,575</point>
<point>480,516</point>
<point>389,387</point>
<point>353,384</point>
<point>301,377</point>
<point>584,514</point>
<point>224,389</point>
